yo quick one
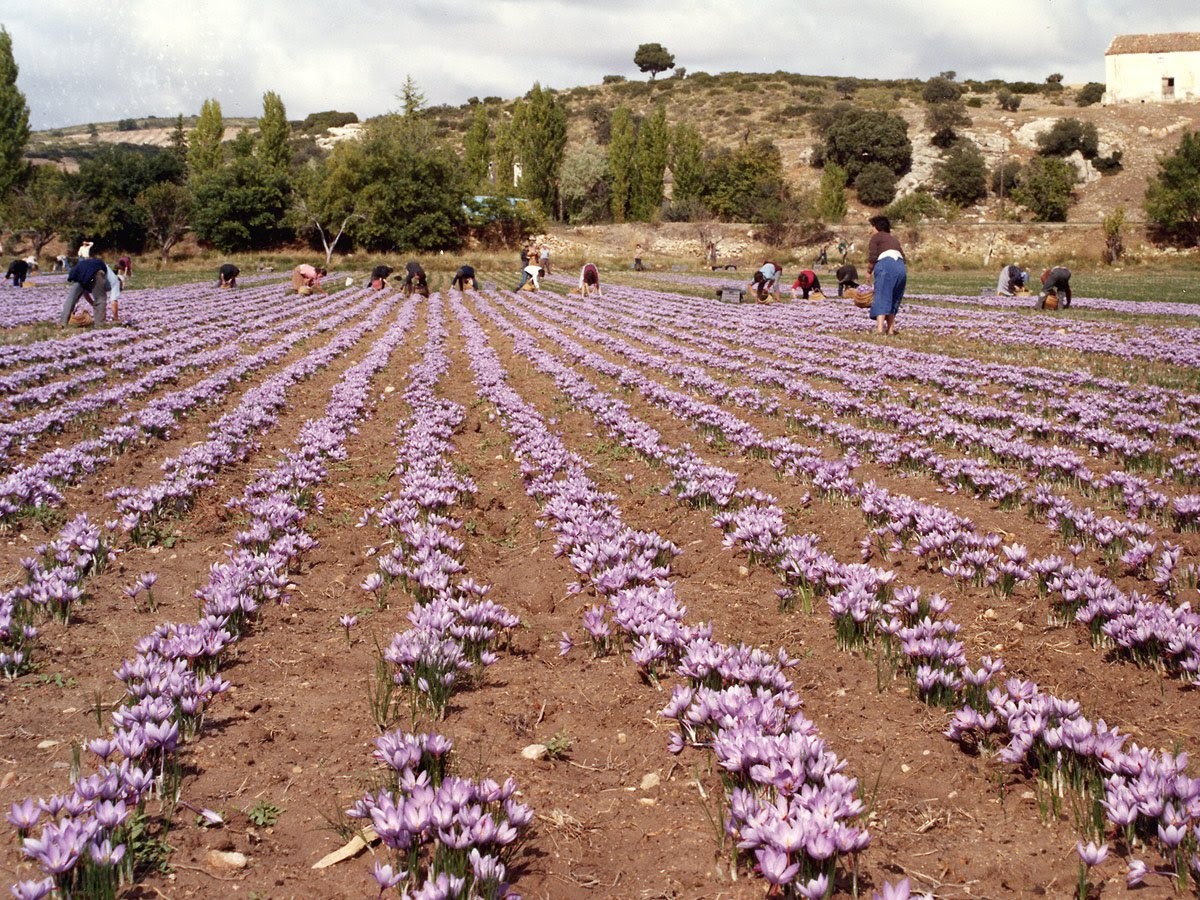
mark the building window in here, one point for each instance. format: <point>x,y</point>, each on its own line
<point>1168,87</point>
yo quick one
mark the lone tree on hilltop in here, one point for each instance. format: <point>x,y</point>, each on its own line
<point>653,58</point>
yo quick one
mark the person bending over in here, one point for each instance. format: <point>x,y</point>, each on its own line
<point>1058,280</point>
<point>415,279</point>
<point>464,279</point>
<point>806,282</point>
<point>227,275</point>
<point>589,280</point>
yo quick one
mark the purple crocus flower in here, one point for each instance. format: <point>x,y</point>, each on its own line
<point>1091,854</point>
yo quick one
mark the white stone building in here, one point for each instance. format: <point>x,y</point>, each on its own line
<point>1153,68</point>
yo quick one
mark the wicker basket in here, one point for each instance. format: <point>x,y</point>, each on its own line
<point>863,296</point>
<point>1051,300</point>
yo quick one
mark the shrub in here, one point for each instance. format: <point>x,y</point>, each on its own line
<point>612,79</point>
<point>975,102</point>
<point>940,90</point>
<point>1005,177</point>
<point>1108,165</point>
<point>846,86</point>
<point>914,207</point>
<point>1046,188</point>
<point>127,125</point>
<point>962,176</point>
<point>875,184</point>
<point>1173,196</point>
<point>1008,100</point>
<point>942,119</point>
<point>1068,135</point>
<point>1089,94</point>
<point>320,121</point>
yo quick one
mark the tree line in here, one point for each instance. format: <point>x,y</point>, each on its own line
<point>402,187</point>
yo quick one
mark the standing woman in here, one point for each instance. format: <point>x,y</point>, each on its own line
<point>887,266</point>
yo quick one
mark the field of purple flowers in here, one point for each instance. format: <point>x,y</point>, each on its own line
<point>522,594</point>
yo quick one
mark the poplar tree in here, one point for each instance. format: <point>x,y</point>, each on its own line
<point>273,133</point>
<point>477,151</point>
<point>543,140</point>
<point>204,143</point>
<point>687,163</point>
<point>14,119</point>
<point>622,173</point>
<point>653,147</point>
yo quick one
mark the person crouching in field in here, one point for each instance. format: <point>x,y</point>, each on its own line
<point>415,279</point>
<point>379,277</point>
<point>765,282</point>
<point>464,279</point>
<point>589,280</point>
<point>227,275</point>
<point>806,282</point>
<point>88,276</point>
<point>1058,280</point>
<point>306,279</point>
<point>847,277</point>
<point>887,265</point>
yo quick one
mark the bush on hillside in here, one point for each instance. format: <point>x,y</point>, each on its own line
<point>1068,135</point>
<point>1091,93</point>
<point>915,207</point>
<point>875,185</point>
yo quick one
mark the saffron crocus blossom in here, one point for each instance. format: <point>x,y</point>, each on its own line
<point>1091,854</point>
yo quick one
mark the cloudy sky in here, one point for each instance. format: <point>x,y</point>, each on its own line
<point>114,59</point>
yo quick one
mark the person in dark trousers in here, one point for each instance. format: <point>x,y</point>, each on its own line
<point>18,271</point>
<point>415,279</point>
<point>822,257</point>
<point>886,264</point>
<point>379,277</point>
<point>88,276</point>
<point>806,282</point>
<point>847,277</point>
<point>464,278</point>
<point>227,275</point>
<point>1058,280</point>
<point>637,259</point>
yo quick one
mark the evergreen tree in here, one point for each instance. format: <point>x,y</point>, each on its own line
<point>687,163</point>
<point>622,171</point>
<point>14,119</point>
<point>204,144</point>
<point>412,100</point>
<point>179,141</point>
<point>504,152</point>
<point>543,140</point>
<point>477,153</point>
<point>1173,197</point>
<point>273,133</point>
<point>961,177</point>
<point>831,200</point>
<point>653,148</point>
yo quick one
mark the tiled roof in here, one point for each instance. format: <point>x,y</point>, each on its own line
<point>1175,42</point>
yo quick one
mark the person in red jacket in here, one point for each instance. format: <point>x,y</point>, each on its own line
<point>806,282</point>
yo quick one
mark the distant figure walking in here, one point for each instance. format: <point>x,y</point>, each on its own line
<point>544,259</point>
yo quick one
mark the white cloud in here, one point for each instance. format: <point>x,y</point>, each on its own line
<point>140,57</point>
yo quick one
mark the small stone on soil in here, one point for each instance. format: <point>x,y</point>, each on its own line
<point>534,751</point>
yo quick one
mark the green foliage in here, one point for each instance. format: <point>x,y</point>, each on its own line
<point>111,182</point>
<point>241,206</point>
<point>1005,177</point>
<point>204,143</point>
<point>583,185</point>
<point>1046,187</point>
<point>943,118</point>
<point>1091,93</point>
<point>1114,235</point>
<point>409,192</point>
<point>746,184</point>
<point>412,100</point>
<point>1007,100</point>
<point>913,208</point>
<point>127,125</point>
<point>1173,196</point>
<point>612,79</point>
<point>559,745</point>
<point>273,134</point>
<point>875,184</point>
<point>14,120</point>
<point>1066,136</point>
<point>477,149</point>
<point>622,169</point>
<point>653,58</point>
<point>651,156</point>
<point>263,814</point>
<point>961,176</point>
<point>831,200</point>
<point>940,90</point>
<point>330,118</point>
<point>857,137</point>
<point>846,86</point>
<point>687,163</point>
<point>47,205</point>
<point>541,144</point>
<point>166,206</point>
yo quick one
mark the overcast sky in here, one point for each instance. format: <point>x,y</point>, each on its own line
<point>113,59</point>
